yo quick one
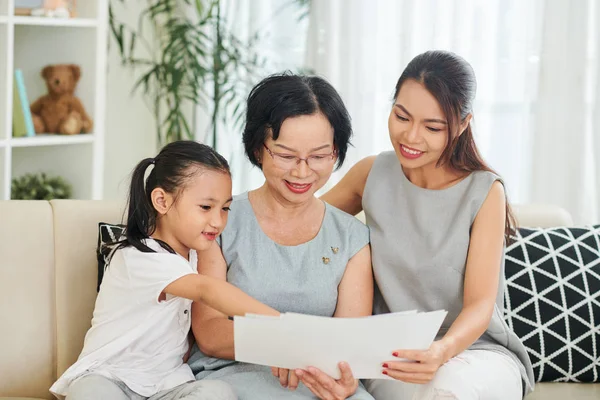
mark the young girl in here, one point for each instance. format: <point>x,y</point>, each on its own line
<point>136,346</point>
<point>439,218</point>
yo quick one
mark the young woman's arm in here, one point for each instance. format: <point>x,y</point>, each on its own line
<point>479,296</point>
<point>482,274</point>
<point>212,329</point>
<point>211,289</point>
<point>347,194</point>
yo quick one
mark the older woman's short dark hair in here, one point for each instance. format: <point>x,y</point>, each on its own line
<point>287,95</point>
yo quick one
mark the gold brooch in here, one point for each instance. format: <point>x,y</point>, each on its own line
<point>325,260</point>
<point>335,250</point>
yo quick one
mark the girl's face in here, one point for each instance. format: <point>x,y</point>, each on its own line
<point>193,218</point>
<point>418,127</point>
<point>306,137</point>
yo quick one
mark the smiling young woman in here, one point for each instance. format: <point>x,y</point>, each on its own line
<point>439,219</point>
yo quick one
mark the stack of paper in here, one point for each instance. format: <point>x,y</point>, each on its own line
<point>299,341</point>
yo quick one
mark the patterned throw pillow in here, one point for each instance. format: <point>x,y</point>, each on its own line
<point>552,300</point>
<point>107,234</point>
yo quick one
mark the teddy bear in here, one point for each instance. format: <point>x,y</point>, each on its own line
<point>60,111</point>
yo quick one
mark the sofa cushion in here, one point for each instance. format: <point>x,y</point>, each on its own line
<point>107,234</point>
<point>552,300</point>
<point>27,312</point>
<point>75,232</point>
<point>565,391</point>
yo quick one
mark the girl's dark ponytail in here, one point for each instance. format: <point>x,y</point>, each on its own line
<point>141,215</point>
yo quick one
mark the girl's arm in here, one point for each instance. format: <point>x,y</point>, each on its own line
<point>217,293</point>
<point>212,329</point>
<point>347,194</point>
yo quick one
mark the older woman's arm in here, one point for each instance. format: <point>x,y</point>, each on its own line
<point>355,292</point>
<point>355,299</point>
<point>213,330</point>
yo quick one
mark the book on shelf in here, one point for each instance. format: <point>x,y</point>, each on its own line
<point>22,11</point>
<point>24,7</point>
<point>22,119</point>
<point>18,118</point>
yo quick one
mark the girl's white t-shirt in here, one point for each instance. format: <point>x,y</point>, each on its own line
<point>134,338</point>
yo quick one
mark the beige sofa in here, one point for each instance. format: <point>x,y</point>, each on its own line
<point>48,278</point>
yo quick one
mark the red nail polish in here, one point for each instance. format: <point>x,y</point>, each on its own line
<point>384,372</point>
<point>385,365</point>
<point>395,354</point>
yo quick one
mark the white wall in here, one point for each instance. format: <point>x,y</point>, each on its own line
<point>130,134</point>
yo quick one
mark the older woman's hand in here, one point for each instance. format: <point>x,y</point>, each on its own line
<point>325,387</point>
<point>287,378</point>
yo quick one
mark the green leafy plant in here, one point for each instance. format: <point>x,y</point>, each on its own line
<point>188,56</point>
<point>40,187</point>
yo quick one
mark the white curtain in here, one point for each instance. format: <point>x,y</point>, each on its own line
<point>537,112</point>
<point>282,32</point>
<point>566,151</point>
<point>536,65</point>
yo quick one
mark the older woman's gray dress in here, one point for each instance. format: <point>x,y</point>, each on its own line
<point>302,279</point>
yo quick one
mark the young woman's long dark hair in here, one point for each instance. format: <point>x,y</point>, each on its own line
<point>176,163</point>
<point>451,80</point>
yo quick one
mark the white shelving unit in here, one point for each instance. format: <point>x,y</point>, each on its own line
<point>74,22</point>
<point>29,44</point>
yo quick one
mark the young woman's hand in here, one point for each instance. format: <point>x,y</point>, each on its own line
<point>421,365</point>
<point>287,378</point>
<point>325,387</point>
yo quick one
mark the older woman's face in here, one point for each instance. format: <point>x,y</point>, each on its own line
<point>302,158</point>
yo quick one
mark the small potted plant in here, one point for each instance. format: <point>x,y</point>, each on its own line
<point>40,187</point>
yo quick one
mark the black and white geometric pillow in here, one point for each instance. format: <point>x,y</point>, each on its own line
<point>552,300</point>
<point>107,235</point>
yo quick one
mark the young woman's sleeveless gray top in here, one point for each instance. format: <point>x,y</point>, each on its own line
<point>420,239</point>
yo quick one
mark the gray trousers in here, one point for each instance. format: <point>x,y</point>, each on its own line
<point>97,387</point>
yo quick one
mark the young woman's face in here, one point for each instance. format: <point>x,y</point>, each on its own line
<point>199,213</point>
<point>308,137</point>
<point>417,125</point>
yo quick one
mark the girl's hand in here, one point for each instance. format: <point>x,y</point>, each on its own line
<point>325,387</point>
<point>287,378</point>
<point>420,367</point>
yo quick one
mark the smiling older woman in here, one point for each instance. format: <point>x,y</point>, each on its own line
<point>283,245</point>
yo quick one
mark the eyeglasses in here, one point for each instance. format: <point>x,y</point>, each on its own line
<point>314,162</point>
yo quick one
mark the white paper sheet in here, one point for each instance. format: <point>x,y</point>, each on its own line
<point>299,341</point>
